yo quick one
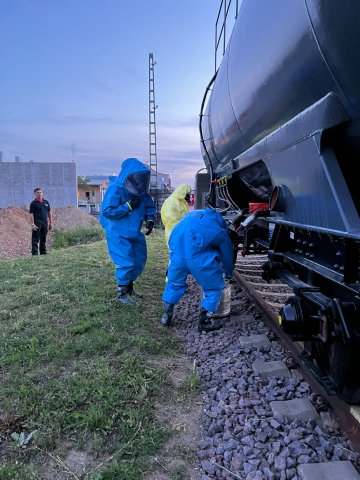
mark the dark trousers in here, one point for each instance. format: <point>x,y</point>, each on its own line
<point>39,236</point>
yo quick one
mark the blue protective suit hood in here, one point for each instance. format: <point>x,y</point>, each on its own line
<point>132,168</point>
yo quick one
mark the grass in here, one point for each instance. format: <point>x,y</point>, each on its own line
<point>192,383</point>
<point>178,473</point>
<point>74,363</point>
<point>77,236</point>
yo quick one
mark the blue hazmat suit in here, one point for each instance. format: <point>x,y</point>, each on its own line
<point>126,205</point>
<point>199,245</point>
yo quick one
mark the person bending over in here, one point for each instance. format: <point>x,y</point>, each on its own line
<point>199,245</point>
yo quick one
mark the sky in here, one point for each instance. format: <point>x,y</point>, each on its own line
<point>75,81</point>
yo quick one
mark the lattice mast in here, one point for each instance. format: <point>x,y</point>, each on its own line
<point>152,131</point>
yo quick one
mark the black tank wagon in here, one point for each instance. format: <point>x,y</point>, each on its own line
<point>280,126</point>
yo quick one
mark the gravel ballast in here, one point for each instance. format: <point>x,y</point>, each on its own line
<point>241,436</point>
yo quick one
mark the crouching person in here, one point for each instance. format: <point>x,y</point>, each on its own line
<point>199,245</point>
<point>126,205</point>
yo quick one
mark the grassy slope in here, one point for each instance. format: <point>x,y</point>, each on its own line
<point>74,362</point>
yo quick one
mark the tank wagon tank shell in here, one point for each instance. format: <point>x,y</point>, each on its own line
<point>281,127</point>
<point>291,72</point>
<point>282,57</point>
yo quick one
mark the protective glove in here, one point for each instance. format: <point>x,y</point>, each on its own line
<point>230,280</point>
<point>133,203</point>
<point>149,227</point>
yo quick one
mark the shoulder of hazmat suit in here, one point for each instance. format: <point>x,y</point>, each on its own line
<point>203,235</point>
<point>174,208</point>
<point>117,215</point>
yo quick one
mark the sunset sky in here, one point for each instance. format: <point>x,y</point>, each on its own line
<point>75,72</point>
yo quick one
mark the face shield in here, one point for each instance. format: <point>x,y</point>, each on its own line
<point>137,183</point>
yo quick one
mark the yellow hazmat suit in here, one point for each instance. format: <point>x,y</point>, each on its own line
<point>174,208</point>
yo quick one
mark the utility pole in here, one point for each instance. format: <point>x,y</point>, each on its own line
<point>72,146</point>
<point>152,134</point>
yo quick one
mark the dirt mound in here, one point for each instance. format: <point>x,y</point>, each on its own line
<point>15,228</point>
<point>68,218</point>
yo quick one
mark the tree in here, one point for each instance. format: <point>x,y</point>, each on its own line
<point>82,182</point>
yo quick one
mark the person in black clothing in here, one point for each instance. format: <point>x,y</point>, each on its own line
<point>41,222</point>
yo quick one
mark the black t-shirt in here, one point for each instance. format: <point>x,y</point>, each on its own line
<point>40,210</point>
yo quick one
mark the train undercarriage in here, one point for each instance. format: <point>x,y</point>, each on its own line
<point>324,313</point>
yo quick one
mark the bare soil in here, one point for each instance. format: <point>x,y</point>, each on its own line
<point>15,228</point>
<point>180,414</point>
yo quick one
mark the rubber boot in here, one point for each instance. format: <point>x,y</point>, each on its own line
<point>207,323</point>
<point>131,292</point>
<point>122,295</point>
<point>168,314</point>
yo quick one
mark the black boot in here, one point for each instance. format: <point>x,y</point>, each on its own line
<point>168,313</point>
<point>131,292</point>
<point>122,295</point>
<point>207,323</point>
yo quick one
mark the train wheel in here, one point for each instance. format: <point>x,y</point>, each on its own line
<point>343,369</point>
<point>339,362</point>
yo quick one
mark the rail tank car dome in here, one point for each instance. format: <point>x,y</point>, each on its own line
<point>283,56</point>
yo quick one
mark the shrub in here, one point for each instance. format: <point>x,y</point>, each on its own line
<point>77,236</point>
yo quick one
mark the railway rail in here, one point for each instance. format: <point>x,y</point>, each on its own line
<point>269,298</point>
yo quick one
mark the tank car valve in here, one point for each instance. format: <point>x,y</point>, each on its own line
<point>250,220</point>
<point>231,222</point>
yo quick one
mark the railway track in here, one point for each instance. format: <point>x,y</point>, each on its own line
<point>269,298</point>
